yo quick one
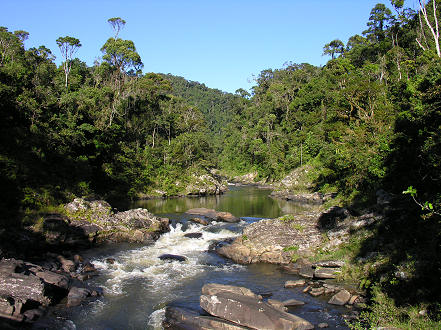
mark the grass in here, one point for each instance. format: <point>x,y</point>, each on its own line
<point>289,218</point>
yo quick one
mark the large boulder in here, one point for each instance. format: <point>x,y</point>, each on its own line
<point>214,288</point>
<point>277,241</point>
<point>186,319</point>
<point>206,184</point>
<point>250,312</point>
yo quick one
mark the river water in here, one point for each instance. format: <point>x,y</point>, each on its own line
<point>139,285</point>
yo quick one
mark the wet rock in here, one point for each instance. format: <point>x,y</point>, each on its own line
<point>110,261</point>
<point>33,314</point>
<point>341,298</point>
<point>88,268</point>
<point>172,257</point>
<point>265,294</point>
<point>323,325</point>
<point>200,221</point>
<point>294,283</point>
<point>325,273</point>
<point>293,303</point>
<point>193,235</point>
<point>214,288</point>
<point>78,259</point>
<point>226,217</point>
<point>77,295</point>
<point>250,312</point>
<point>183,318</point>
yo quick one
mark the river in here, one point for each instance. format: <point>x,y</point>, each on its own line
<point>138,285</point>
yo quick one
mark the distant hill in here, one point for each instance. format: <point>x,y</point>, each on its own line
<point>215,104</point>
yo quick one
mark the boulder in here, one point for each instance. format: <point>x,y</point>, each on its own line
<point>66,264</point>
<point>213,214</point>
<point>317,291</point>
<point>186,319</point>
<point>306,272</point>
<point>58,280</point>
<point>172,257</point>
<point>277,304</point>
<point>330,263</point>
<point>214,288</point>
<point>250,312</point>
<point>341,298</point>
<point>25,288</point>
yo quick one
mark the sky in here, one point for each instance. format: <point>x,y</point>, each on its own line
<point>223,44</point>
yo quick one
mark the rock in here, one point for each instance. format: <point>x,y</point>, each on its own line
<point>88,268</point>
<point>110,261</point>
<point>274,241</point>
<point>58,280</point>
<point>226,217</point>
<point>33,314</point>
<point>172,257</point>
<point>200,221</point>
<point>206,184</point>
<point>6,306</point>
<point>277,304</point>
<point>323,325</point>
<point>213,214</point>
<point>293,302</point>
<point>78,259</point>
<point>193,235</point>
<point>83,205</point>
<point>250,312</point>
<point>306,271</point>
<point>294,283</point>
<point>329,263</point>
<point>211,289</point>
<point>266,294</point>
<point>315,292</point>
<point>340,298</point>
<point>66,264</point>
<point>77,295</point>
<point>183,318</point>
<point>353,299</point>
<point>325,273</point>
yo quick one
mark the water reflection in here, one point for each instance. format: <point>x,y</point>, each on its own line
<point>240,201</point>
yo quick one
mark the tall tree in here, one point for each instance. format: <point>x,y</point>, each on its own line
<point>68,46</point>
<point>334,47</point>
<point>433,26</point>
<point>379,18</point>
<point>117,24</point>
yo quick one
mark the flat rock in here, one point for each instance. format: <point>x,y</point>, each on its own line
<point>172,257</point>
<point>294,283</point>
<point>59,280</point>
<point>325,273</point>
<point>200,221</point>
<point>341,298</point>
<point>277,304</point>
<point>213,214</point>
<point>24,288</point>
<point>210,289</point>
<point>317,291</point>
<point>250,312</point>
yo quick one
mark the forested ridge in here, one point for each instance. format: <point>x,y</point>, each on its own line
<point>369,119</point>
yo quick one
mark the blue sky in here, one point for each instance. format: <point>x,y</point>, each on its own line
<point>222,44</point>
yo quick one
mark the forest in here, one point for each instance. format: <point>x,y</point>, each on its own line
<point>369,119</point>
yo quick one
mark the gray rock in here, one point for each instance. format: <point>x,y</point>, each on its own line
<point>277,304</point>
<point>60,281</point>
<point>250,312</point>
<point>317,291</point>
<point>66,264</point>
<point>24,288</point>
<point>341,298</point>
<point>210,289</point>
<point>186,319</point>
<point>323,325</point>
<point>325,273</point>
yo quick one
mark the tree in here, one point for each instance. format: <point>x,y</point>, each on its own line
<point>379,17</point>
<point>433,26</point>
<point>117,24</point>
<point>334,47</point>
<point>68,46</point>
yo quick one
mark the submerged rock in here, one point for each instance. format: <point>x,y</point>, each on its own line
<point>193,235</point>
<point>172,257</point>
